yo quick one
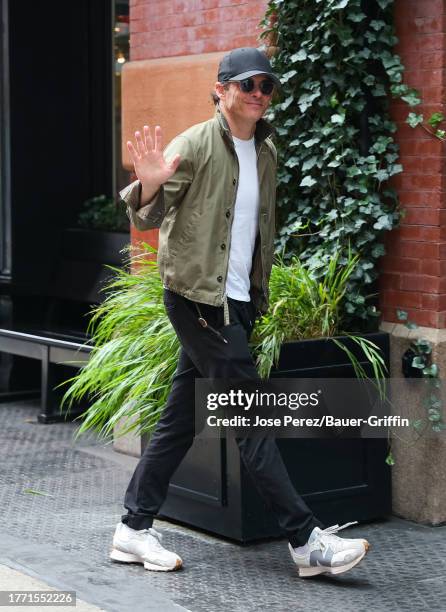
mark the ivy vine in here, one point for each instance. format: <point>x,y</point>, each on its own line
<point>335,137</point>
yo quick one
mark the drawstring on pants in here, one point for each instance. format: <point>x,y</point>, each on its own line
<point>226,311</point>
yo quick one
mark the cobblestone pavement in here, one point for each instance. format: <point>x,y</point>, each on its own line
<point>63,537</point>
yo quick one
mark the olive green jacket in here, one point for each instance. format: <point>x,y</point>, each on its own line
<point>194,211</point>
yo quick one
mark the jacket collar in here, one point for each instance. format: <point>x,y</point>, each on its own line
<point>262,131</point>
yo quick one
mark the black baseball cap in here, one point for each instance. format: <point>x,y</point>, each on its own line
<point>242,63</point>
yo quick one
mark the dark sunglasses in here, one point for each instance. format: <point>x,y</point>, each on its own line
<point>248,85</point>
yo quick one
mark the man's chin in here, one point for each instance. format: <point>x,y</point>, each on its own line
<point>257,112</point>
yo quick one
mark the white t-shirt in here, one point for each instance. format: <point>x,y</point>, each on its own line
<point>245,222</point>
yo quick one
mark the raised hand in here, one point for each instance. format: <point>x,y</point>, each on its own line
<point>150,166</point>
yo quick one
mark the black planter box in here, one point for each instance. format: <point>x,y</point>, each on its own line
<point>341,480</point>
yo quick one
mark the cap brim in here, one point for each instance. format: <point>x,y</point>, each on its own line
<point>250,73</point>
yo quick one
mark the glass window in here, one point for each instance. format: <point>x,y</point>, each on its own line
<point>121,55</point>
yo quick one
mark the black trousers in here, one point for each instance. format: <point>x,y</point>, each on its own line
<point>205,354</point>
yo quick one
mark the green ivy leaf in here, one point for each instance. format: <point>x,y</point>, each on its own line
<point>432,370</point>
<point>401,315</point>
<point>411,325</point>
<point>377,24</point>
<point>384,222</point>
<point>419,362</point>
<point>287,76</point>
<point>307,181</point>
<point>389,459</point>
<point>340,5</point>
<point>309,163</point>
<point>311,142</point>
<point>418,424</point>
<point>300,56</point>
<point>286,103</point>
<point>435,119</point>
<point>413,119</point>
<point>423,345</point>
<point>356,16</point>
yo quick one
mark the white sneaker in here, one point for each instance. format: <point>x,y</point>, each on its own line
<point>143,546</point>
<point>326,553</point>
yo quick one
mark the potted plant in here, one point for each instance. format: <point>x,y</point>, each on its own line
<point>101,233</point>
<point>128,378</point>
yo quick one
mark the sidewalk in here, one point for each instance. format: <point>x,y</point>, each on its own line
<point>13,580</point>
<point>63,539</point>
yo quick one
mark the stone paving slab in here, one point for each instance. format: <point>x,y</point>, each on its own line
<point>64,538</point>
<point>14,580</point>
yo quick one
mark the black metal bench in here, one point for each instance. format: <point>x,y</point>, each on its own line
<point>49,349</point>
<point>60,334</point>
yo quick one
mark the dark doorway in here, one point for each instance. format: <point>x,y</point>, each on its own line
<point>57,145</point>
<point>61,123</point>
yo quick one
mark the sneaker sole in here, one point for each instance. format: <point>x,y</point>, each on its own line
<point>123,557</point>
<point>307,572</point>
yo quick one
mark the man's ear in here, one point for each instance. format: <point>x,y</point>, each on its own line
<point>220,89</point>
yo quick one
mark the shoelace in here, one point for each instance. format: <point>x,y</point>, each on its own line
<point>330,532</point>
<point>156,534</point>
<point>335,528</point>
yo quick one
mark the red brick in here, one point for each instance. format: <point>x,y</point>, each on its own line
<point>427,7</point>
<point>429,61</point>
<point>428,199</point>
<point>430,267</point>
<point>402,299</point>
<point>399,264</point>
<point>422,216</point>
<point>421,250</point>
<point>419,233</point>
<point>426,24</point>
<point>183,6</point>
<point>208,4</point>
<point>432,284</point>
<point>434,302</point>
<point>388,280</point>
<point>149,10</point>
<point>415,146</point>
<point>428,318</point>
<point>229,13</point>
<point>424,182</point>
<point>420,282</point>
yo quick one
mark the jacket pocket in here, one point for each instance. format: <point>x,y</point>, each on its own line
<point>189,229</point>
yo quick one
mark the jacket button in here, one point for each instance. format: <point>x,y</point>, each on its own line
<point>228,213</point>
<point>222,246</point>
<point>234,181</point>
<point>219,278</point>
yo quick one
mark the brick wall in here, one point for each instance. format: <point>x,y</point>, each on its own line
<point>414,269</point>
<point>167,28</point>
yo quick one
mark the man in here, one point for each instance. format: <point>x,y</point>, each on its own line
<point>213,196</point>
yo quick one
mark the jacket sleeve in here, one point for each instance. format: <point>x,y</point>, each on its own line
<point>151,214</point>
